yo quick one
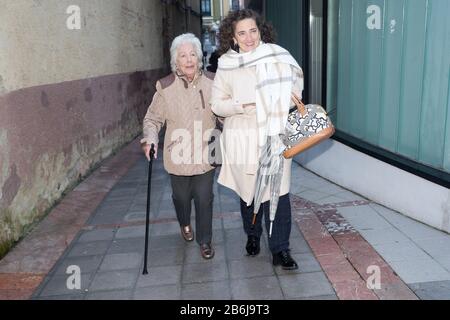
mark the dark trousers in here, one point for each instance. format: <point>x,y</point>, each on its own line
<point>200,189</point>
<point>281,230</point>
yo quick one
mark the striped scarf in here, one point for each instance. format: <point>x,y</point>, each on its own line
<point>276,73</point>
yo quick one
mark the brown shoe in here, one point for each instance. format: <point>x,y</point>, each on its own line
<point>187,233</point>
<point>207,251</point>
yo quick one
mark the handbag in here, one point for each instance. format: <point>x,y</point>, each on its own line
<point>306,127</point>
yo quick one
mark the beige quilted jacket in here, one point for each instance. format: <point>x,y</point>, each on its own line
<point>184,107</point>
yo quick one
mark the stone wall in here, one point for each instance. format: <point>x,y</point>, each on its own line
<point>76,78</point>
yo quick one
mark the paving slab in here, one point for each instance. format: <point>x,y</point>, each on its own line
<point>335,235</point>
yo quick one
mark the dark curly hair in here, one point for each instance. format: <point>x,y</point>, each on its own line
<point>228,26</point>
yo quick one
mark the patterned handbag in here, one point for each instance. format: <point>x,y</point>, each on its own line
<point>306,127</point>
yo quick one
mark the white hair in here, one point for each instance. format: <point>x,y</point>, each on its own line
<point>180,40</point>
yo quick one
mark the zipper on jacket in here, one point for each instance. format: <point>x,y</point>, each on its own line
<point>203,98</point>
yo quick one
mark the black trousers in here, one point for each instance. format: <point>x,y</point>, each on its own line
<point>199,188</point>
<point>281,230</point>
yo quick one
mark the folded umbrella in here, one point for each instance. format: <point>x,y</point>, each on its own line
<point>269,175</point>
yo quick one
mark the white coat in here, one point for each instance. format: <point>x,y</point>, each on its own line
<point>231,90</point>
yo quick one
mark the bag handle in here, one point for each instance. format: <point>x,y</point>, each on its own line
<point>300,105</point>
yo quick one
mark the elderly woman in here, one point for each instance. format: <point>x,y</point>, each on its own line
<point>180,102</point>
<point>252,90</point>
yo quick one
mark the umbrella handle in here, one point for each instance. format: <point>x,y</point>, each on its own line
<point>254,218</point>
<point>152,152</point>
<point>253,221</point>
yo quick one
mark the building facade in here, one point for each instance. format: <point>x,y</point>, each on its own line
<point>381,68</point>
<point>213,11</point>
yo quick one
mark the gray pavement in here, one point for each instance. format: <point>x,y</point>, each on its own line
<point>109,252</point>
<point>109,249</point>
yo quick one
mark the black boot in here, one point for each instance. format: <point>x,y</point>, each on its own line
<point>252,246</point>
<point>284,259</point>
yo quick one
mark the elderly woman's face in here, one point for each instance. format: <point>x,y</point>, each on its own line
<point>247,35</point>
<point>187,60</point>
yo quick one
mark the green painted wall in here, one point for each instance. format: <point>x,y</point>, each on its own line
<point>286,17</point>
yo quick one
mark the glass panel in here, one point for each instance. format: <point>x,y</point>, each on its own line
<point>388,75</point>
<point>206,7</point>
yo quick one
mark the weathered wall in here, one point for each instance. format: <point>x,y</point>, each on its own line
<point>180,16</point>
<point>116,36</point>
<point>69,98</point>
<point>51,136</point>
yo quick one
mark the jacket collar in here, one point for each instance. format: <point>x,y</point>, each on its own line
<point>185,79</point>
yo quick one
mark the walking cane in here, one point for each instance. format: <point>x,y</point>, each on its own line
<point>147,218</point>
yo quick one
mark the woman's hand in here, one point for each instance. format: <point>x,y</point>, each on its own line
<point>146,148</point>
<point>248,105</point>
<point>249,108</point>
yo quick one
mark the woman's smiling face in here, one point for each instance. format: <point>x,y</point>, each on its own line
<point>246,35</point>
<point>187,60</point>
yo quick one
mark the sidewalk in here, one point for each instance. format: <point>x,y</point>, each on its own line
<point>337,239</point>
